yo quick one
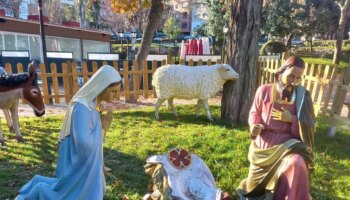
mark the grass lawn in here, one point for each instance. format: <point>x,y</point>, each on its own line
<point>326,60</point>
<point>135,135</point>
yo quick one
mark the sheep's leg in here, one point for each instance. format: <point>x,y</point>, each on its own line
<point>171,104</point>
<point>157,105</point>
<point>14,116</point>
<point>8,120</point>
<point>206,106</point>
<point>199,103</point>
<point>168,105</point>
<point>2,142</point>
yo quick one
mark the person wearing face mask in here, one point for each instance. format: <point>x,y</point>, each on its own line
<point>79,170</point>
<point>282,127</point>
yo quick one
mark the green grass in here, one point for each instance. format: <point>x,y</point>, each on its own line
<point>135,135</point>
<point>326,60</point>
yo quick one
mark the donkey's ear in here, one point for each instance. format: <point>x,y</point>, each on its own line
<point>32,68</point>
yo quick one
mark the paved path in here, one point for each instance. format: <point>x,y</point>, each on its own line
<point>57,109</point>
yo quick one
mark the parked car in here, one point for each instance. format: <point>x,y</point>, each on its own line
<point>116,38</point>
<point>128,35</point>
<point>159,34</point>
<point>297,42</point>
<point>155,39</point>
<point>184,37</point>
<point>264,39</point>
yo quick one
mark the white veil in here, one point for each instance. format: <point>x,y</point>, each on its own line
<point>104,77</point>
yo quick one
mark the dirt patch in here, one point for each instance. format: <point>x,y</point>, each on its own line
<point>25,110</point>
<point>58,109</point>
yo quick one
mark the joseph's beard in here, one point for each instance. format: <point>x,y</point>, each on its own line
<point>286,90</point>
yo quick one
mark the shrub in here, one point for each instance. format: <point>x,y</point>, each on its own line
<point>328,43</point>
<point>346,49</point>
<point>346,43</point>
<point>273,47</point>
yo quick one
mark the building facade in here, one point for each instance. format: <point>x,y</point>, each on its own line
<point>199,13</point>
<point>189,14</point>
<point>182,12</point>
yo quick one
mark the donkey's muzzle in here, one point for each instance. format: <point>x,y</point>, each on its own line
<point>38,114</point>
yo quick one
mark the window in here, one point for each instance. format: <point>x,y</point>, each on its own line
<point>22,43</point>
<point>64,44</point>
<point>184,16</point>
<point>10,42</point>
<point>1,45</point>
<point>185,4</point>
<point>35,47</point>
<point>184,25</point>
<point>176,6</point>
<point>94,47</point>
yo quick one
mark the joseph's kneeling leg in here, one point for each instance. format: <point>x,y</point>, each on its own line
<point>293,183</point>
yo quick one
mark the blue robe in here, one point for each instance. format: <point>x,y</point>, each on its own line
<point>79,168</point>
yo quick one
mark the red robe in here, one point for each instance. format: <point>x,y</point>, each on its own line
<point>293,183</point>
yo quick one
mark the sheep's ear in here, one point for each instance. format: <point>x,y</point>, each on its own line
<point>224,68</point>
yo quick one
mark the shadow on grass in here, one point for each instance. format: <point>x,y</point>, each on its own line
<point>21,161</point>
<point>127,178</point>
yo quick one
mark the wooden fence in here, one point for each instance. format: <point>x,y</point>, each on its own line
<point>60,87</point>
<point>327,84</point>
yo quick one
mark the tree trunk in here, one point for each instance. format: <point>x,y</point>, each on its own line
<point>243,50</point>
<point>311,46</point>
<point>213,44</point>
<point>82,6</point>
<point>15,8</point>
<point>154,19</point>
<point>340,33</point>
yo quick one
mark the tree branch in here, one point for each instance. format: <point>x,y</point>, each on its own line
<point>339,4</point>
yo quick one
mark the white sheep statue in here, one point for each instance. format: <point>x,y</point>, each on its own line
<point>201,82</point>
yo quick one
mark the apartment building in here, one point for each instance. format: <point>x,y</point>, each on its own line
<point>199,13</point>
<point>182,13</point>
<point>189,14</point>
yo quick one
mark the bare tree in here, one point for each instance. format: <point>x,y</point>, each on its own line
<point>13,6</point>
<point>82,6</point>
<point>242,48</point>
<point>344,16</point>
<point>54,10</point>
<point>117,23</point>
<point>5,4</point>
<point>139,19</point>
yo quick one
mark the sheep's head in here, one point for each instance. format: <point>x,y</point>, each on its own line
<point>227,73</point>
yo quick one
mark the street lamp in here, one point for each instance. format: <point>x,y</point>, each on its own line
<point>159,41</point>
<point>224,30</point>
<point>42,32</point>
<point>43,43</point>
<point>133,34</point>
<point>133,38</point>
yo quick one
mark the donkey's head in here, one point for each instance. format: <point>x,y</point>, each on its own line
<point>31,91</point>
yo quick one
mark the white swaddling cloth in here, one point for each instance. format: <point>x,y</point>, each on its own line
<point>195,182</point>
